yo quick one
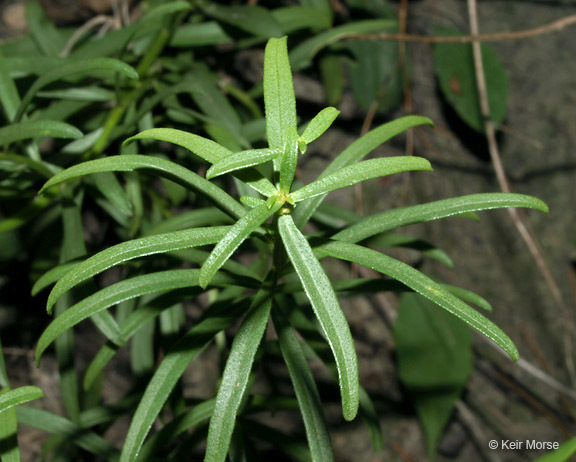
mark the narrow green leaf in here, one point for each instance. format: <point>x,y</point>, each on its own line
<point>562,454</point>
<point>237,234</point>
<point>289,160</point>
<point>255,20</point>
<point>173,7</point>
<point>357,151</point>
<point>316,347</point>
<point>206,149</point>
<point>112,295</point>
<point>302,55</point>
<point>358,172</point>
<point>404,216</point>
<point>201,34</point>
<point>198,414</point>
<point>192,219</point>
<point>171,369</point>
<point>202,147</point>
<point>319,124</point>
<point>251,201</point>
<point>305,388</point>
<point>112,190</point>
<point>371,140</point>
<point>85,66</point>
<point>239,160</point>
<point>51,276</point>
<point>39,167</point>
<point>92,94</point>
<point>325,304</point>
<point>410,242</point>
<point>161,167</point>
<point>132,324</point>
<point>235,377</point>
<point>469,296</point>
<point>293,18</point>
<point>423,285</point>
<point>37,129</point>
<point>279,99</point>
<point>9,97</point>
<point>332,78</point>
<point>58,425</point>
<point>19,396</point>
<point>43,31</point>
<point>136,248</point>
<point>9,451</point>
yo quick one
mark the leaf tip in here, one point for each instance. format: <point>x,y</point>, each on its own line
<point>129,140</point>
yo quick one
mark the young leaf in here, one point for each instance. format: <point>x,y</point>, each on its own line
<point>208,150</point>
<point>358,172</point>
<point>235,377</point>
<point>404,216</point>
<point>234,238</point>
<point>421,284</point>
<point>305,389</point>
<point>289,160</point>
<point>325,304</point>
<point>279,100</point>
<point>161,167</point>
<point>19,396</point>
<point>37,129</point>
<point>319,124</point>
<point>85,66</point>
<point>239,160</point>
<point>171,369</point>
<point>160,243</point>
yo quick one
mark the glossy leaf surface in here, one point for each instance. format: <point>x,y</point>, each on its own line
<point>327,309</point>
<point>423,285</point>
<point>160,243</point>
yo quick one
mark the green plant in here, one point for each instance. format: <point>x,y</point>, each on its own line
<point>270,216</point>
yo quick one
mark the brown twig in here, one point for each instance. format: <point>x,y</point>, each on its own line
<point>517,219</point>
<point>474,37</point>
<point>408,107</point>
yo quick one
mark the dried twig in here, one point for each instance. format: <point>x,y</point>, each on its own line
<point>82,30</point>
<point>517,219</point>
<point>474,37</point>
